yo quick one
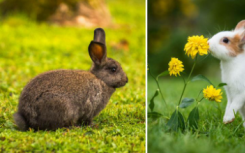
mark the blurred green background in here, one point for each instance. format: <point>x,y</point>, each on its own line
<point>43,35</point>
<point>170,22</point>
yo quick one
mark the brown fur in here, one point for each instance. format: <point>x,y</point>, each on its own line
<point>63,98</point>
<point>235,45</point>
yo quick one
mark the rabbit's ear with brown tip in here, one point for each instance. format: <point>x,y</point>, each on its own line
<point>97,47</point>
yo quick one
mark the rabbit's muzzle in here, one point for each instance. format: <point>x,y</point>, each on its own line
<point>122,83</point>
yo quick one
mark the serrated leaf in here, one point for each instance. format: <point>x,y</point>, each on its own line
<point>193,118</point>
<point>162,74</point>
<point>154,115</point>
<point>201,77</point>
<point>222,84</point>
<point>181,121</point>
<point>176,121</point>
<point>186,102</point>
<point>173,121</point>
<point>152,104</point>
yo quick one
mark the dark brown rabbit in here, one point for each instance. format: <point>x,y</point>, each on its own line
<point>64,98</point>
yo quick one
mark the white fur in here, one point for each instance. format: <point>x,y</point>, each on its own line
<point>233,73</point>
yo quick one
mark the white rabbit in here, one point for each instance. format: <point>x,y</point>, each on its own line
<point>228,46</point>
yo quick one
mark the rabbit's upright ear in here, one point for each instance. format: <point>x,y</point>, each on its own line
<point>97,48</point>
<point>242,37</point>
<point>240,25</point>
<point>99,35</point>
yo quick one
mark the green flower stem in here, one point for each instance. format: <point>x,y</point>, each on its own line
<point>182,92</point>
<point>187,81</point>
<point>199,102</point>
<point>192,69</point>
<point>156,80</point>
<point>199,95</point>
<point>201,99</point>
<point>160,91</point>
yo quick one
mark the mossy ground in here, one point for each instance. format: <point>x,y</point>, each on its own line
<point>28,48</point>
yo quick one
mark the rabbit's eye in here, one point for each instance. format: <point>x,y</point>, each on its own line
<point>225,40</point>
<point>113,69</point>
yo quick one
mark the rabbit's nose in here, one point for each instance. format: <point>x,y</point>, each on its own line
<point>208,41</point>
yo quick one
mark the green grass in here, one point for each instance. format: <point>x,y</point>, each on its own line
<point>211,137</point>
<point>28,49</point>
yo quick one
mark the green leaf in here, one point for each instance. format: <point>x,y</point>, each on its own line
<point>201,77</point>
<point>176,121</point>
<point>181,121</point>
<point>193,118</point>
<point>154,115</point>
<point>162,74</point>
<point>186,102</point>
<point>152,104</point>
<point>222,84</point>
<point>173,121</point>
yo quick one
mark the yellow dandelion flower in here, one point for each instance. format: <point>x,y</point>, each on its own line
<point>212,94</point>
<point>175,66</point>
<point>196,45</point>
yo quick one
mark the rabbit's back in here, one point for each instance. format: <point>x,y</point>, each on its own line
<point>62,98</point>
<point>58,81</point>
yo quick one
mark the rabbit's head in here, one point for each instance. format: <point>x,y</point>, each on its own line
<point>227,45</point>
<point>105,69</point>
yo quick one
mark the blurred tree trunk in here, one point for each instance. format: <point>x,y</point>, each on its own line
<point>88,13</point>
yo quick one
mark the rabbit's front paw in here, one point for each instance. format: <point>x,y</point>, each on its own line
<point>228,118</point>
